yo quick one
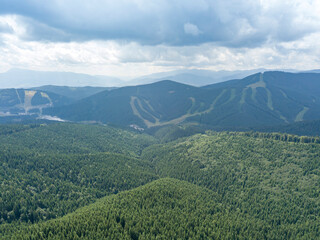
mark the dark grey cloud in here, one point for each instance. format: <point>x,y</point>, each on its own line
<point>40,31</point>
<point>233,23</point>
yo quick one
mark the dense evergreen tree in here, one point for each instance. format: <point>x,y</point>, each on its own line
<point>164,209</point>
<point>42,177</point>
<point>245,185</point>
<point>72,138</point>
<point>259,175</point>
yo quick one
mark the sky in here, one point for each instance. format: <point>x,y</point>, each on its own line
<point>130,38</point>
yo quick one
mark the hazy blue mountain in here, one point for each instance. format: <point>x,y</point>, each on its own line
<point>269,98</point>
<point>21,78</point>
<point>195,77</point>
<point>75,93</point>
<point>311,71</point>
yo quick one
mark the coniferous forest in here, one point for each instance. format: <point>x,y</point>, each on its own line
<point>76,181</point>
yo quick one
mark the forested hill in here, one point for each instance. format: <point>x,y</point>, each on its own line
<point>47,171</point>
<point>225,185</point>
<point>262,99</point>
<point>163,209</point>
<point>68,138</point>
<point>274,181</point>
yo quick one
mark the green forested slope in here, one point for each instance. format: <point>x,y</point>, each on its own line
<point>303,128</point>
<point>50,170</point>
<point>73,138</point>
<point>163,209</point>
<point>246,185</point>
<point>148,105</point>
<point>269,98</point>
<point>41,187</point>
<point>271,180</point>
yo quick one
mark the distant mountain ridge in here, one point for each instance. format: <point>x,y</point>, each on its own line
<point>21,78</point>
<point>262,99</point>
<point>75,93</point>
<point>194,77</point>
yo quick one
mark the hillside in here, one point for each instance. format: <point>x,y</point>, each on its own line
<point>14,102</point>
<point>303,128</point>
<point>163,209</point>
<point>156,104</point>
<point>263,99</point>
<point>271,180</point>
<point>271,98</point>
<point>75,93</point>
<point>247,185</point>
<point>35,188</point>
<point>49,171</point>
<point>69,138</point>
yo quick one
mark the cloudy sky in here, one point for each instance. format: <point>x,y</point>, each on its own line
<point>129,38</point>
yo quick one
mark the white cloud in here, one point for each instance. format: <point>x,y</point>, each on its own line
<point>137,37</point>
<point>191,29</point>
<point>130,60</point>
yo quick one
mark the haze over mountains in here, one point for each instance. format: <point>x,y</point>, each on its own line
<point>195,77</point>
<point>22,78</point>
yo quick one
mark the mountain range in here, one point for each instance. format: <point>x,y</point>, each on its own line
<point>259,100</point>
<point>262,99</point>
